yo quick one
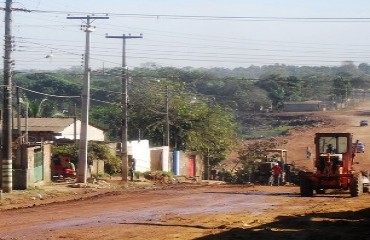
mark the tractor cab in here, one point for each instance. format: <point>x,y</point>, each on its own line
<point>331,149</point>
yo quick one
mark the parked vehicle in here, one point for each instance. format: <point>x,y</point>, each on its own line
<point>364,123</point>
<point>276,157</point>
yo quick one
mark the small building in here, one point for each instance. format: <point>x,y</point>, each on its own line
<point>307,106</point>
<point>50,129</point>
<point>33,168</point>
<point>188,164</point>
<point>160,159</point>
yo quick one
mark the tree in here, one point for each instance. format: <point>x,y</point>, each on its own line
<point>35,108</point>
<point>108,118</point>
<point>364,67</point>
<point>204,126</point>
<point>342,87</point>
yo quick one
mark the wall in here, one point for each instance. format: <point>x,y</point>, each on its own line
<point>303,107</point>
<point>97,168</point>
<point>23,176</point>
<point>184,164</point>
<point>159,159</point>
<point>141,152</point>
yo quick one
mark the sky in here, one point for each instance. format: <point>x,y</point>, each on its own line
<point>192,33</point>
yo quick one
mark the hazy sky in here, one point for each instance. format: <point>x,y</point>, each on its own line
<point>313,33</point>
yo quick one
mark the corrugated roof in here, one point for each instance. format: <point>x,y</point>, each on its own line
<point>44,124</point>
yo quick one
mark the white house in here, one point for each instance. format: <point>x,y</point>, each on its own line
<point>49,129</point>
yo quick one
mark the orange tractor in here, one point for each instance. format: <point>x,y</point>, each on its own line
<point>334,162</point>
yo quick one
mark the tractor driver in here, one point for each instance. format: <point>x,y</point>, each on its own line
<point>330,149</point>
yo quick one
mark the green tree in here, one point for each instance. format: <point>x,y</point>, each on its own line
<point>35,108</point>
<point>108,118</point>
<point>342,87</point>
<point>252,154</point>
<point>204,126</point>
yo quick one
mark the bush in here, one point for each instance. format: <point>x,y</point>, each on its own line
<point>113,165</point>
<point>96,151</point>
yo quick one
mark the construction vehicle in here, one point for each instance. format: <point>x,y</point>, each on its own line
<point>335,154</point>
<point>276,157</point>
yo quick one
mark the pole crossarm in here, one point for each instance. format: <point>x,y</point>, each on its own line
<point>88,17</point>
<point>125,36</point>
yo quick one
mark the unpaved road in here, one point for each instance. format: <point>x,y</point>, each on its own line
<point>193,211</point>
<point>196,212</point>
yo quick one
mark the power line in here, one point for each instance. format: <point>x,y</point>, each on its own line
<point>46,94</point>
<point>111,103</point>
<point>215,17</point>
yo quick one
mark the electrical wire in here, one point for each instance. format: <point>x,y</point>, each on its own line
<point>96,100</point>
<point>46,94</point>
<point>214,17</point>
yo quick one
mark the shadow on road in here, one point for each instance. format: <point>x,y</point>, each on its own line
<point>335,226</point>
<point>334,194</point>
<point>257,193</point>
<point>166,225</point>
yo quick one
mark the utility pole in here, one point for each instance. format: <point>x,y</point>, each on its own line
<point>124,101</point>
<point>6,167</point>
<point>85,101</point>
<point>167,134</point>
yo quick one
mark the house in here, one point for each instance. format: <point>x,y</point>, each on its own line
<point>188,164</point>
<point>50,129</point>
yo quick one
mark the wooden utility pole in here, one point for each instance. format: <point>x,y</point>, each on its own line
<point>82,162</point>
<point>124,101</point>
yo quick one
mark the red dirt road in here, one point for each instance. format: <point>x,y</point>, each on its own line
<point>210,212</point>
<point>194,212</point>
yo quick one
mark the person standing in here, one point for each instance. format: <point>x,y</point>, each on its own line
<point>132,169</point>
<point>277,173</point>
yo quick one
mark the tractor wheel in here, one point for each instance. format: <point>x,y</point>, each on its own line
<point>306,187</point>
<point>356,185</point>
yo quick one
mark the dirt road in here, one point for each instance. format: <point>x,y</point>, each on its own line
<point>196,211</point>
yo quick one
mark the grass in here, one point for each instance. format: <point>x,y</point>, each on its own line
<point>271,132</point>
